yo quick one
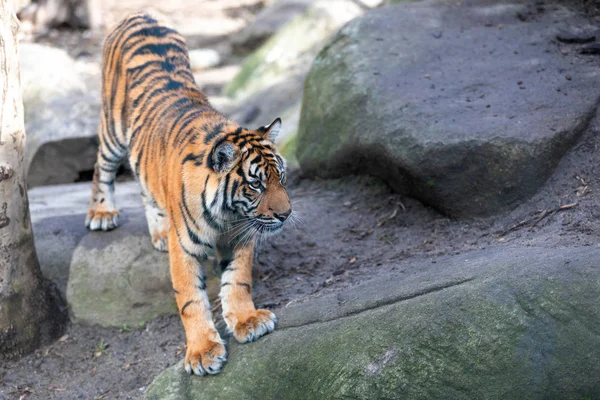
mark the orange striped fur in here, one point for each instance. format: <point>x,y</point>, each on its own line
<point>207,183</point>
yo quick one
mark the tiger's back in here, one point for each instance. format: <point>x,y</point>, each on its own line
<point>146,72</point>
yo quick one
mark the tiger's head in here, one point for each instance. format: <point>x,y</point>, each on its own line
<point>254,187</point>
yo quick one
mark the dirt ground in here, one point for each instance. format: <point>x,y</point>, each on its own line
<point>347,231</point>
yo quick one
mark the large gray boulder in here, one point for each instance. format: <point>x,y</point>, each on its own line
<point>108,278</point>
<point>467,107</point>
<point>61,97</point>
<point>504,323</point>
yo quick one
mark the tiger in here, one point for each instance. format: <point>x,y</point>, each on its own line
<point>208,185</point>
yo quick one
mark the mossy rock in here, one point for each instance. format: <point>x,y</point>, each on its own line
<point>403,93</point>
<point>495,324</point>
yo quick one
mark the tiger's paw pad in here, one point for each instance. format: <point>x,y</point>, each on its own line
<point>205,357</point>
<point>253,326</point>
<point>102,220</point>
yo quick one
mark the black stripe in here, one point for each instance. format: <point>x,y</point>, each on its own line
<point>211,156</point>
<point>192,235</point>
<point>185,249</point>
<point>225,284</point>
<point>106,145</point>
<point>132,49</point>
<point>109,170</point>
<point>197,158</point>
<point>187,304</point>
<point>201,257</point>
<point>215,130</point>
<point>152,88</point>
<point>226,196</point>
<point>234,188</point>
<point>183,132</point>
<point>187,215</point>
<point>121,34</point>
<point>137,162</point>
<point>210,220</point>
<point>141,80</point>
<point>111,102</point>
<point>159,49</point>
<point>155,31</point>
<point>216,198</point>
<point>124,114</point>
<point>247,286</point>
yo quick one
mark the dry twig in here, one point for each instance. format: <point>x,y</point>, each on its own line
<point>531,222</point>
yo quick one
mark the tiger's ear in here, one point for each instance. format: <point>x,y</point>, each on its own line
<point>224,156</point>
<point>271,131</point>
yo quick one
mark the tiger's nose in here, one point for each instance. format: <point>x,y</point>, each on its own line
<point>282,216</point>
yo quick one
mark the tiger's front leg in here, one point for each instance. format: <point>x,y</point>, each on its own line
<point>205,352</point>
<point>243,319</point>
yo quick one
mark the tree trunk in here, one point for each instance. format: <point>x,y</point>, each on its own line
<point>30,310</point>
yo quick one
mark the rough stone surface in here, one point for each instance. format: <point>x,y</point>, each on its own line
<point>272,78</point>
<point>62,110</point>
<point>467,107</point>
<point>108,278</point>
<point>267,22</point>
<point>520,323</point>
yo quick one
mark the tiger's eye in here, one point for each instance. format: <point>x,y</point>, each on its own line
<point>255,184</point>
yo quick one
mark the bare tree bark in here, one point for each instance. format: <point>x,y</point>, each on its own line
<point>30,310</point>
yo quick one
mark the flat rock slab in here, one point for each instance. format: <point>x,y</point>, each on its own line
<point>504,323</point>
<point>108,278</point>
<point>465,106</point>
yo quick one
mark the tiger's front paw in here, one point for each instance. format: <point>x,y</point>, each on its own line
<point>205,356</point>
<point>249,327</point>
<point>159,241</point>
<point>106,220</point>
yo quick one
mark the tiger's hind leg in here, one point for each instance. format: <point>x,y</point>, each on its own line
<point>158,223</point>
<point>102,213</point>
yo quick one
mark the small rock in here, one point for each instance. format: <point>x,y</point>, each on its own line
<point>593,48</point>
<point>204,58</point>
<point>570,37</point>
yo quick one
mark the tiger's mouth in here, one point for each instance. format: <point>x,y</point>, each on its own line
<point>268,227</point>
